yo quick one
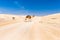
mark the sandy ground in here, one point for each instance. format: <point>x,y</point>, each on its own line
<point>38,28</point>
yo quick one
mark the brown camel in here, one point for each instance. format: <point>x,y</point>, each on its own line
<point>13,18</point>
<point>28,18</point>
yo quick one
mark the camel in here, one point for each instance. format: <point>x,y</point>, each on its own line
<point>13,18</point>
<point>28,18</point>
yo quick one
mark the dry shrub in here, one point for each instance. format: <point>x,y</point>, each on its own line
<point>53,18</point>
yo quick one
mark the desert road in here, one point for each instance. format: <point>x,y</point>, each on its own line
<point>14,31</point>
<point>39,28</point>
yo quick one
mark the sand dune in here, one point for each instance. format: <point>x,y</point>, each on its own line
<point>38,28</point>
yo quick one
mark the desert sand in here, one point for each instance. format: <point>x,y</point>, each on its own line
<point>38,28</point>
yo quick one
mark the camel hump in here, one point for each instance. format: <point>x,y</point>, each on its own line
<point>28,16</point>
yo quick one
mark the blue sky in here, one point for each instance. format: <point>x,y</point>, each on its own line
<point>33,7</point>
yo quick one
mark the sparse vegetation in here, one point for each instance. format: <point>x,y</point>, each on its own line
<point>33,16</point>
<point>53,18</point>
<point>40,22</point>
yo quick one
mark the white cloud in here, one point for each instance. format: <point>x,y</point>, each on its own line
<point>25,12</point>
<point>16,2</point>
<point>19,5</point>
<point>23,7</point>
